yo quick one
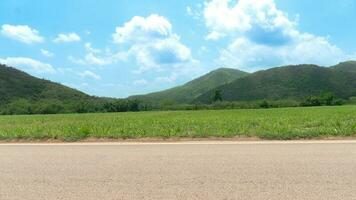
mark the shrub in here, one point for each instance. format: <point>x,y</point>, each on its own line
<point>264,104</point>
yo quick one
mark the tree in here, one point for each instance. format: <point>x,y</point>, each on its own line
<point>311,101</point>
<point>134,105</point>
<point>327,98</point>
<point>49,106</point>
<point>264,104</point>
<point>217,96</point>
<point>19,107</point>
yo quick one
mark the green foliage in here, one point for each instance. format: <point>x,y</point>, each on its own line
<point>220,105</point>
<point>280,123</point>
<point>15,85</point>
<point>188,92</point>
<point>48,106</point>
<point>324,99</point>
<point>20,107</point>
<point>264,104</point>
<point>352,100</point>
<point>217,96</point>
<point>349,66</point>
<point>327,98</point>
<point>21,93</point>
<point>289,82</point>
<point>167,103</point>
<point>311,101</point>
<point>122,106</point>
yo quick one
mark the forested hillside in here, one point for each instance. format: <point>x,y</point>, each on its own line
<point>288,82</point>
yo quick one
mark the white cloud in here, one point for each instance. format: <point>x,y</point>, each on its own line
<point>47,53</point>
<point>140,29</point>
<point>263,36</point>
<point>65,70</point>
<point>220,18</point>
<point>260,19</point>
<point>167,79</point>
<point>65,38</point>
<point>214,35</point>
<point>152,42</point>
<point>195,11</point>
<point>160,54</point>
<point>140,82</point>
<point>89,74</point>
<point>76,60</point>
<point>249,56</point>
<point>22,33</point>
<point>28,65</point>
<point>98,57</point>
<point>92,59</point>
<point>189,11</point>
<point>89,48</point>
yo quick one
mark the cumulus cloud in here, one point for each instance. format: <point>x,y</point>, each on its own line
<point>152,42</point>
<point>259,19</point>
<point>250,56</point>
<point>90,59</point>
<point>140,29</point>
<point>66,38</point>
<point>28,65</point>
<point>263,36</point>
<point>156,55</point>
<point>22,33</point>
<point>89,74</point>
<point>97,57</point>
<point>47,53</point>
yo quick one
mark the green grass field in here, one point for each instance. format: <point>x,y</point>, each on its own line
<point>284,123</point>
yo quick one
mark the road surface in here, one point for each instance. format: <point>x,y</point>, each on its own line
<point>196,170</point>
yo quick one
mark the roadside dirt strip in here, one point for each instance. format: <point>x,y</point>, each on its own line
<point>179,170</point>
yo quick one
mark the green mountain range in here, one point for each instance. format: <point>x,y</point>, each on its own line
<point>15,85</point>
<point>289,82</point>
<point>193,89</point>
<point>349,66</point>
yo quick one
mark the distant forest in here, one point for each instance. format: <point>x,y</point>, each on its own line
<point>48,106</point>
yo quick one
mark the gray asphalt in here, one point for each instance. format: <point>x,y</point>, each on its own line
<point>314,170</point>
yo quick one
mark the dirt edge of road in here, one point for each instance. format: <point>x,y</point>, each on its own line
<point>165,140</point>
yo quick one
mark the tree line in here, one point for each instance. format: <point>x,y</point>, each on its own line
<point>54,106</point>
<point>103,105</point>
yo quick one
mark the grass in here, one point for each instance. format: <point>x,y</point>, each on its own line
<point>280,124</point>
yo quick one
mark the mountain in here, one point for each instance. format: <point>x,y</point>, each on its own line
<point>288,82</point>
<point>191,90</point>
<point>21,93</point>
<point>15,85</point>
<point>349,66</point>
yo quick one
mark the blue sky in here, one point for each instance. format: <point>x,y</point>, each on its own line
<point>119,48</point>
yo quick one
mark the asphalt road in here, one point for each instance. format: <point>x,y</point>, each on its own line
<point>201,170</point>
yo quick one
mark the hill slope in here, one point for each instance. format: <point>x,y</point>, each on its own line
<point>289,82</point>
<point>349,66</point>
<point>191,90</point>
<point>15,84</point>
